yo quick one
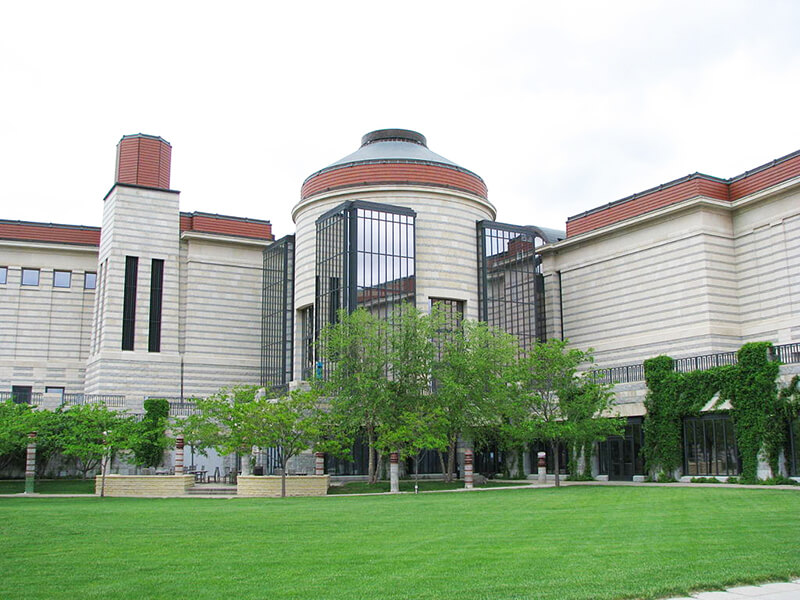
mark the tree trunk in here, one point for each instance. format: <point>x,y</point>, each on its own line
<point>371,468</point>
<point>451,459</point>
<point>556,467</point>
<point>443,465</point>
<point>283,477</point>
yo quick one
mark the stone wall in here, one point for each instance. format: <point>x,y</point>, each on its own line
<point>145,486</point>
<point>270,486</point>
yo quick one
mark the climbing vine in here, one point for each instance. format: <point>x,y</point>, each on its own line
<point>759,413</point>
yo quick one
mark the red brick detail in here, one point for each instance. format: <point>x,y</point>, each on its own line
<point>144,160</point>
<point>397,173</point>
<point>226,226</point>
<point>47,232</point>
<point>761,179</point>
<point>696,185</point>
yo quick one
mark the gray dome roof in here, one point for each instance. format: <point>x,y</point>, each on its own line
<point>393,145</point>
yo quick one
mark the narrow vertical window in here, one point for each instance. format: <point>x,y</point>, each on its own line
<point>3,274</point>
<point>129,302</point>
<point>156,287</point>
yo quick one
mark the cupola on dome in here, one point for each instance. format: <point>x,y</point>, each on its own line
<point>393,157</point>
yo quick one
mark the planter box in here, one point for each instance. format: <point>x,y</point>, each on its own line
<point>269,486</point>
<point>152,486</point>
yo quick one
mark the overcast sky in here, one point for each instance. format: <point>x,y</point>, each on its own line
<point>560,107</point>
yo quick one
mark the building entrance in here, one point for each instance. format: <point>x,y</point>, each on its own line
<point>621,455</point>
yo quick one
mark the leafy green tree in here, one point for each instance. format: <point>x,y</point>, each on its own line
<point>152,441</point>
<point>91,432</point>
<point>217,423</point>
<point>473,376</point>
<point>290,423</point>
<point>16,421</point>
<point>553,404</point>
<point>357,387</point>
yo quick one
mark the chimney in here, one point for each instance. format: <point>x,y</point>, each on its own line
<point>143,160</point>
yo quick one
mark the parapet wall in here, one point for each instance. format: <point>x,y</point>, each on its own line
<point>145,486</point>
<point>269,486</point>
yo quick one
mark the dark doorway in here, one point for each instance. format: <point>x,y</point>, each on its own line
<point>621,455</point>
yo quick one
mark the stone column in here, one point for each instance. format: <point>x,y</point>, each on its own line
<point>468,481</point>
<point>319,463</point>
<point>542,467</point>
<point>179,443</point>
<point>30,463</point>
<point>394,473</point>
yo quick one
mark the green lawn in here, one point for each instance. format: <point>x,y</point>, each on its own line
<point>575,542</point>
<point>406,485</point>
<point>49,486</point>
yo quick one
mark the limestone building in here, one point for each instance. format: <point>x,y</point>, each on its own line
<point>157,302</point>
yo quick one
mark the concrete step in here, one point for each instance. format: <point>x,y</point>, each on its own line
<point>201,490</point>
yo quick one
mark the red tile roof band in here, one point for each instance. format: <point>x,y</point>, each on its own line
<point>761,178</point>
<point>404,173</point>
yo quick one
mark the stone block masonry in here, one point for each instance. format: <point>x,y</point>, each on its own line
<point>252,486</point>
<point>145,486</point>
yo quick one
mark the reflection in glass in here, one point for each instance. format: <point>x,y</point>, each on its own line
<point>510,283</point>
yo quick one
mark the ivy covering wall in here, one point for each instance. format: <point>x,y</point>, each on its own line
<point>760,414</point>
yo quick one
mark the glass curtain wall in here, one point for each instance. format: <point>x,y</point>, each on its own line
<point>365,258</point>
<point>710,446</point>
<point>510,282</point>
<point>277,317</point>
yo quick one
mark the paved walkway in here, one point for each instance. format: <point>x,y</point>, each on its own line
<point>767,591</point>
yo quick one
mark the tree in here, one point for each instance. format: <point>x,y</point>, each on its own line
<point>91,431</point>
<point>356,388</point>
<point>290,423</point>
<point>552,404</point>
<point>16,421</point>
<point>217,423</point>
<point>151,441</point>
<point>472,378</point>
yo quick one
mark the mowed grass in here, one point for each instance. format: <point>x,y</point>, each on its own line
<point>49,486</point>
<point>575,542</point>
<point>407,485</point>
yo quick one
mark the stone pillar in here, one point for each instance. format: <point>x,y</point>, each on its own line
<point>542,467</point>
<point>468,481</point>
<point>179,443</point>
<point>394,473</point>
<point>319,463</point>
<point>30,463</point>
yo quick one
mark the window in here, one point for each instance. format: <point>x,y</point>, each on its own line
<point>563,458</point>
<point>307,342</point>
<point>30,276</point>
<point>365,258</point>
<point>156,289</point>
<point>55,390</point>
<point>21,394</point>
<point>90,281</point>
<point>3,274</point>
<point>129,302</point>
<point>62,279</point>
<point>277,316</point>
<point>510,282</point>
<point>620,456</point>
<point>710,446</point>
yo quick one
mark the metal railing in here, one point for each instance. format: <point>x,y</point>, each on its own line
<point>182,409</point>
<point>22,397</point>
<point>785,353</point>
<point>625,374</point>
<point>703,362</point>
<point>110,400</point>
